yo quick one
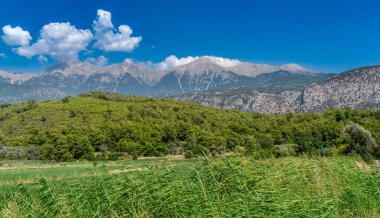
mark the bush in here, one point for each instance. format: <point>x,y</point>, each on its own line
<point>251,145</point>
<point>115,156</point>
<point>66,99</point>
<point>4,105</point>
<point>19,153</point>
<point>30,105</point>
<point>188,154</point>
<point>285,150</point>
<point>135,156</point>
<point>221,149</point>
<point>101,156</point>
<point>265,141</point>
<point>361,140</point>
<point>200,151</point>
<point>214,153</point>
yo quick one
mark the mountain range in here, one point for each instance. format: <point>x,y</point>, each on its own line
<point>202,74</point>
<point>205,80</point>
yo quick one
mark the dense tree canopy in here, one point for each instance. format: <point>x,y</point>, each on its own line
<point>98,122</point>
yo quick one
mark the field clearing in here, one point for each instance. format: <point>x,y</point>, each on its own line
<point>15,172</point>
<point>214,187</point>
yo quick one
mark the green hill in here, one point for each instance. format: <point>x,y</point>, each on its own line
<point>98,122</point>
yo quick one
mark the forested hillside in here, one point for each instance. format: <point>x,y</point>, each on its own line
<point>102,125</point>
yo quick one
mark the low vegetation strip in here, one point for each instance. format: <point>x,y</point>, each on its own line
<point>106,126</point>
<point>218,187</point>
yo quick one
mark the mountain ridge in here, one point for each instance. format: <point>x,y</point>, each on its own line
<point>199,74</point>
<point>357,89</point>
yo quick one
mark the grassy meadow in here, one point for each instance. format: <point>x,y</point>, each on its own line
<point>202,187</point>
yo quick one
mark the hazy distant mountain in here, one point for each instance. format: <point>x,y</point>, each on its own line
<point>20,93</point>
<point>357,89</point>
<point>201,74</point>
<point>14,78</point>
<point>253,70</point>
<point>78,77</point>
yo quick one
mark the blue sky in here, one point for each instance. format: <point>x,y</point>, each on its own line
<point>327,35</point>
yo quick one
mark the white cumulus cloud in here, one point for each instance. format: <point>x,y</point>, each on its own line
<point>109,39</point>
<point>42,59</point>
<point>103,22</point>
<point>224,62</point>
<point>100,61</point>
<point>129,61</point>
<point>61,41</point>
<point>172,61</point>
<point>15,36</point>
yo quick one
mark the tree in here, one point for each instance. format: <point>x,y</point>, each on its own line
<point>80,147</point>
<point>169,133</point>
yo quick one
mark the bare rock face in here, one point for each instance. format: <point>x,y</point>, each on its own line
<point>357,89</point>
<point>247,100</point>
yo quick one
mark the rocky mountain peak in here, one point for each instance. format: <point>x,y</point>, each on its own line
<point>253,70</point>
<point>151,74</point>
<point>296,68</point>
<point>73,68</point>
<point>200,65</point>
<point>139,71</point>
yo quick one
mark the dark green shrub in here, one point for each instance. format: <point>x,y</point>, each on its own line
<point>221,150</point>
<point>265,141</point>
<point>199,150</point>
<point>66,99</point>
<point>135,156</point>
<point>188,154</point>
<point>214,153</point>
<point>361,140</point>
<point>72,113</point>
<point>285,150</point>
<point>25,106</point>
<point>251,145</point>
<point>232,142</point>
<point>114,156</point>
<point>4,105</point>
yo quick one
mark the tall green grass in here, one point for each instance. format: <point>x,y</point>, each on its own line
<point>234,187</point>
